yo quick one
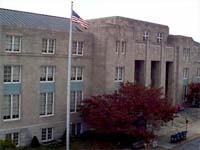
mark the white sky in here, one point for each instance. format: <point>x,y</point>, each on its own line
<point>182,16</point>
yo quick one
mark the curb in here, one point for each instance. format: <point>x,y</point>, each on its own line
<point>181,143</point>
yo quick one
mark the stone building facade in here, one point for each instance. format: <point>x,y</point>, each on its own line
<point>33,68</point>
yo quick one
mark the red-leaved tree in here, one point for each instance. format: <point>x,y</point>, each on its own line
<point>194,94</point>
<point>128,112</point>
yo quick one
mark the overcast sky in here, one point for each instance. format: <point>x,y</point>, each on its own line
<point>182,16</point>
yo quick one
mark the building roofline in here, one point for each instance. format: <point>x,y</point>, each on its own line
<point>33,13</point>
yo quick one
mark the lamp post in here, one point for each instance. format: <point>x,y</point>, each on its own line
<point>186,124</point>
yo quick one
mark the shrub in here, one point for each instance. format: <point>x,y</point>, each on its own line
<point>6,144</point>
<point>35,143</point>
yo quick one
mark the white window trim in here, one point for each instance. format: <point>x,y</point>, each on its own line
<point>11,110</point>
<point>13,73</point>
<point>13,43</point>
<point>187,73</point>
<point>52,137</point>
<point>118,72</point>
<point>117,46</point>
<point>76,75</point>
<point>159,37</point>
<point>54,46</point>
<point>46,75</point>
<point>75,109</point>
<point>198,73</point>
<point>46,108</point>
<point>124,50</point>
<point>77,46</point>
<point>12,137</point>
<point>145,35</point>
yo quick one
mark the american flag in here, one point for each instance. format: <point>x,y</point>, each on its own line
<point>77,19</point>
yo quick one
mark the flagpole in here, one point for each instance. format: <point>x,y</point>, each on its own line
<point>69,83</point>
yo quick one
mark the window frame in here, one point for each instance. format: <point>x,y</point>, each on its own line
<point>124,46</point>
<point>47,46</point>
<point>12,137</point>
<point>159,37</point>
<point>11,109</point>
<point>198,73</point>
<point>46,105</point>
<point>76,73</point>
<point>46,134</point>
<point>77,43</point>
<point>76,101</point>
<point>47,73</point>
<point>76,128</point>
<point>185,73</point>
<point>117,46</point>
<point>119,70</point>
<point>145,36</point>
<point>13,37</point>
<point>12,73</point>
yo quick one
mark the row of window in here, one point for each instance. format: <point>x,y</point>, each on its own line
<point>146,36</point>
<point>12,74</point>
<point>12,104</point>
<point>47,134</point>
<point>14,44</point>
<point>119,73</point>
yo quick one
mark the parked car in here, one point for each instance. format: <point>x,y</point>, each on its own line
<point>138,145</point>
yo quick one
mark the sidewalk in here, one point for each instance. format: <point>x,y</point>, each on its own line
<point>179,124</point>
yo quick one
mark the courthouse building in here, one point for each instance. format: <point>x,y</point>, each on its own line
<point>33,68</point>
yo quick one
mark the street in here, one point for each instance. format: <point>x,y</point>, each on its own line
<point>193,145</point>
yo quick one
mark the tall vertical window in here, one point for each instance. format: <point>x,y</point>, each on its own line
<point>185,92</point>
<point>198,72</point>
<point>47,134</point>
<point>159,37</point>
<point>186,54</point>
<point>76,129</point>
<point>14,137</point>
<point>117,50</point>
<point>185,73</point>
<point>48,46</point>
<point>76,98</point>
<point>77,74</point>
<point>77,48</point>
<point>123,47</point>
<point>13,43</point>
<point>47,73</point>
<point>11,107</point>
<point>119,73</point>
<point>12,74</point>
<point>46,104</point>
<point>145,36</point>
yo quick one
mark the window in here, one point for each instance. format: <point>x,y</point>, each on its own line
<point>77,48</point>
<point>46,104</point>
<point>198,72</point>
<point>76,99</point>
<point>186,54</point>
<point>47,134</point>
<point>77,74</point>
<point>185,92</point>
<point>48,46</point>
<point>145,36</point>
<point>47,73</point>
<point>14,137</point>
<point>119,73</point>
<point>13,43</point>
<point>185,73</point>
<point>11,107</point>
<point>159,37</point>
<point>123,47</point>
<point>117,47</point>
<point>12,74</point>
<point>76,129</point>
